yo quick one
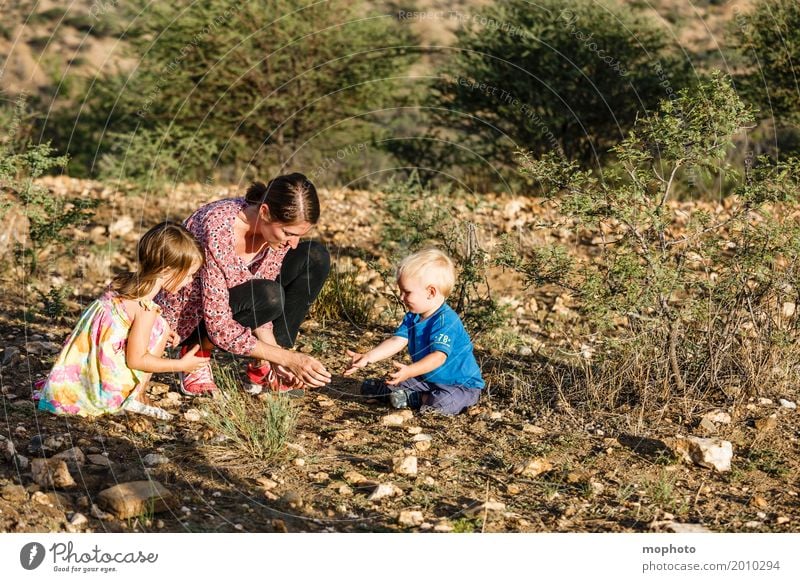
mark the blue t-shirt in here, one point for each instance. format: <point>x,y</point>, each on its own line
<point>442,332</point>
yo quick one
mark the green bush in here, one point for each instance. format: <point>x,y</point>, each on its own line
<point>548,76</point>
<point>221,85</point>
<point>680,309</point>
<point>769,39</point>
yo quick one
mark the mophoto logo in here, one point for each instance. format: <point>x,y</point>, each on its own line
<point>31,555</point>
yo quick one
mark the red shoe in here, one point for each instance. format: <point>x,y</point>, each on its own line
<point>201,382</point>
<point>264,376</point>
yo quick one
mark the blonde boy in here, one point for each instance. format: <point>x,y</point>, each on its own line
<point>444,375</point>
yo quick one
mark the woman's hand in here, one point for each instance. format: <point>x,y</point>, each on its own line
<point>191,363</point>
<point>357,361</point>
<point>310,371</point>
<point>287,378</point>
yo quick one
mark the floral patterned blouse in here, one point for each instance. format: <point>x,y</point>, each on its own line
<point>207,298</point>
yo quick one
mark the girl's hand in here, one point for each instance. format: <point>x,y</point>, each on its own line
<point>399,375</point>
<point>173,339</point>
<point>287,377</point>
<point>191,363</point>
<point>357,361</point>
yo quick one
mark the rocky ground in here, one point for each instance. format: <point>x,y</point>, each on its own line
<point>525,459</point>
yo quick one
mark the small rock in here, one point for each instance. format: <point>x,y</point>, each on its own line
<point>766,424</point>
<point>384,490</point>
<point>192,415</point>
<point>406,466</point>
<point>781,519</point>
<point>135,498</point>
<point>787,404</point>
<point>421,437</point>
<point>534,467</point>
<point>279,526</point>
<point>155,459</point>
<point>345,490</point>
<point>99,460</point>
<point>344,435</point>
<point>496,415</point>
<point>760,502</point>
<point>533,429</point>
<point>486,507</point>
<point>422,446</point>
<point>51,473</point>
<point>788,309</point>
<point>707,452</point>
<point>410,518</point>
<point>74,458</point>
<point>21,462</point>
<point>443,526</point>
<point>355,478</point>
<point>765,401</point>
<point>708,426</point>
<point>10,355</point>
<point>677,527</point>
<point>524,351</point>
<point>299,462</point>
<point>753,524</point>
<point>14,493</point>
<point>397,418</point>
<point>513,489</point>
<point>42,347</point>
<point>324,401</point>
<point>718,416</point>
<point>78,520</point>
<point>266,483</point>
<point>414,429</point>
<point>98,513</point>
<point>292,499</point>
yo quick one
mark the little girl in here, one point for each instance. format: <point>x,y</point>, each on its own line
<point>118,342</point>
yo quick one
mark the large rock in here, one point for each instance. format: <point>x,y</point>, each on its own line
<point>51,473</point>
<point>136,498</point>
<point>74,458</point>
<point>406,466</point>
<point>713,453</point>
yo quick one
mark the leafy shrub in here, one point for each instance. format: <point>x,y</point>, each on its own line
<point>548,76</point>
<point>691,310</point>
<point>343,299</point>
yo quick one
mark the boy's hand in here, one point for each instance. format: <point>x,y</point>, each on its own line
<point>398,375</point>
<point>191,363</point>
<point>357,361</point>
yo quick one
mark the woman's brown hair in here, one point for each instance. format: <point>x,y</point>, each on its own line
<point>167,245</point>
<point>291,198</point>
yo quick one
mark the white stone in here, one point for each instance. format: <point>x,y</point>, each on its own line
<point>406,466</point>
<point>686,527</point>
<point>533,429</point>
<point>787,404</point>
<point>713,453</point>
<point>414,429</point>
<point>192,415</point>
<point>154,459</point>
<point>410,518</point>
<point>718,416</point>
<point>421,437</point>
<point>486,507</point>
<point>384,490</point>
<point>397,418</point>
<point>78,520</point>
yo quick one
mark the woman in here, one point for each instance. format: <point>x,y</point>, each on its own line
<point>256,286</point>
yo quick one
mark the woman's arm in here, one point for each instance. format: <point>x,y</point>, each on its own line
<point>137,356</point>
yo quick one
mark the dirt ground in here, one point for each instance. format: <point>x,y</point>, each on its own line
<point>514,463</point>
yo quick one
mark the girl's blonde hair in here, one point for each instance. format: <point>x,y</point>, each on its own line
<point>432,267</point>
<point>166,246</point>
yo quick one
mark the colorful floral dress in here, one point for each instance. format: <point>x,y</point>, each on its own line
<point>90,376</point>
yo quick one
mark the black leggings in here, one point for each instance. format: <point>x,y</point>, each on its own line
<point>284,302</point>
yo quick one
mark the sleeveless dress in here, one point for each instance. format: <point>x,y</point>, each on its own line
<point>90,376</point>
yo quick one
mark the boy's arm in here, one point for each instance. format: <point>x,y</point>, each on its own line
<point>427,364</point>
<point>386,349</point>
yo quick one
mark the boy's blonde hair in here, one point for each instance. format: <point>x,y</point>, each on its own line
<point>432,267</point>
